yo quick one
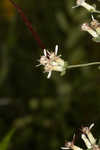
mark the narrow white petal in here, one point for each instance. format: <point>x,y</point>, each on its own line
<point>49,75</point>
<point>75,6</point>
<point>64,148</point>
<point>56,49</point>
<point>86,141</point>
<point>38,65</point>
<point>92,17</point>
<point>91,126</point>
<point>45,53</point>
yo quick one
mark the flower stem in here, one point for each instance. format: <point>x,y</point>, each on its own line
<point>28,24</point>
<point>83,65</point>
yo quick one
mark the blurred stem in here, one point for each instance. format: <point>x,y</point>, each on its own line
<point>83,65</point>
<point>6,51</point>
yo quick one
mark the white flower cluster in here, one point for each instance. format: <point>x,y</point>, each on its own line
<point>52,62</point>
<point>88,139</point>
<point>92,28</point>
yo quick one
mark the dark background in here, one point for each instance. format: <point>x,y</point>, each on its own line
<point>46,112</point>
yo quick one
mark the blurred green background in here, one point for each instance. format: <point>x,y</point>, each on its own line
<point>46,112</point>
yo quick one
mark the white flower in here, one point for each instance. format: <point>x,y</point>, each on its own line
<point>87,131</point>
<point>86,6</point>
<point>86,141</point>
<point>52,62</point>
<point>95,24</point>
<point>70,145</point>
<point>86,27</point>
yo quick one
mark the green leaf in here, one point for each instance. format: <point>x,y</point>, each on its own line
<point>6,140</point>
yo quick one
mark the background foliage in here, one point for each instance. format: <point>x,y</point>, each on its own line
<point>46,112</point>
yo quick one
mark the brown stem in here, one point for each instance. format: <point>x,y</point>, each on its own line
<point>28,24</point>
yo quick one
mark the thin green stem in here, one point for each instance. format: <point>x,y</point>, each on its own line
<point>83,65</point>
